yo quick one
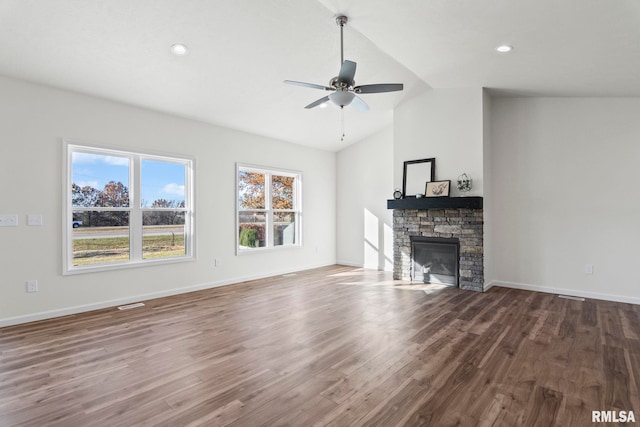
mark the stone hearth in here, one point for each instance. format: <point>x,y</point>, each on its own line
<point>464,224</point>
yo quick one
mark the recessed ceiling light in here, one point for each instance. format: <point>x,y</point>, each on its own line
<point>323,105</point>
<point>179,49</point>
<point>504,48</point>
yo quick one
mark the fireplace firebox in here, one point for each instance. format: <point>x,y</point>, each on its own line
<point>435,260</point>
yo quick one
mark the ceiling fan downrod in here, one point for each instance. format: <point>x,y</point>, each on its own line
<point>341,20</point>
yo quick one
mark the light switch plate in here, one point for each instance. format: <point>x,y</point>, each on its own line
<point>8,220</point>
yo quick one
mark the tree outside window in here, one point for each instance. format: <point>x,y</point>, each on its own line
<point>268,208</point>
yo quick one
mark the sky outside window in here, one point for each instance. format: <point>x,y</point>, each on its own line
<point>160,180</point>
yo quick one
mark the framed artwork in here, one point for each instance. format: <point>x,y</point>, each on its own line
<point>437,189</point>
<point>415,174</point>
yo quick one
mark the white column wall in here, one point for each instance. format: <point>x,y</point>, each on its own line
<point>446,124</point>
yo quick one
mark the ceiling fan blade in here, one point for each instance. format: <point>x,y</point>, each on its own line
<point>359,104</point>
<point>347,72</point>
<point>309,85</point>
<point>379,88</point>
<point>318,102</point>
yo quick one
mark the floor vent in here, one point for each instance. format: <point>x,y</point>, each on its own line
<point>130,306</point>
<point>570,297</point>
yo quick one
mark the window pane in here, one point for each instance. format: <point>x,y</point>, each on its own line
<point>251,190</point>
<point>99,180</point>
<point>282,192</point>
<point>100,237</point>
<point>162,185</point>
<point>163,234</point>
<point>252,230</point>
<point>284,228</point>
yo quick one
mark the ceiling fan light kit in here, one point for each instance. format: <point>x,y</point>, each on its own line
<point>342,97</point>
<point>343,85</point>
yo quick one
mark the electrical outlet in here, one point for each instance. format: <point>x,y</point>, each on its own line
<point>588,269</point>
<point>32,286</point>
<point>34,219</point>
<point>216,262</point>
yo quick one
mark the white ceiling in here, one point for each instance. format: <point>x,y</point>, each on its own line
<point>242,50</point>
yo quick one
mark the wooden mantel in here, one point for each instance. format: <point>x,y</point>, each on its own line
<point>436,203</point>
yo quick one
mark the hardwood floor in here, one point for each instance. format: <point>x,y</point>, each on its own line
<point>332,346</point>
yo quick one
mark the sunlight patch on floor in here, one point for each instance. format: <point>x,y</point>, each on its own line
<point>371,283</point>
<point>400,285</point>
<point>375,278</point>
<point>360,272</point>
<point>426,287</point>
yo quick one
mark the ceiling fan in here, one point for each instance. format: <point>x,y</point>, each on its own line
<point>343,86</point>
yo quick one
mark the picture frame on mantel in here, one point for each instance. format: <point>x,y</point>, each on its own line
<point>437,188</point>
<point>415,174</point>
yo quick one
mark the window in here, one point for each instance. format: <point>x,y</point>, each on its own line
<point>269,208</point>
<point>124,208</point>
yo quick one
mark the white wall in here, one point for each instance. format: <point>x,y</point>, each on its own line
<point>487,168</point>
<point>446,124</point>
<point>365,182</point>
<point>35,119</point>
<point>565,194</point>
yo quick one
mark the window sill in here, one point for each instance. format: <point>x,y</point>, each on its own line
<point>242,252</point>
<point>125,265</point>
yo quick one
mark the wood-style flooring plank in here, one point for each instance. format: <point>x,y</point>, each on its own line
<point>333,346</point>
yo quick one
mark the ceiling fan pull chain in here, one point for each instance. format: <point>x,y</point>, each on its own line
<point>342,122</point>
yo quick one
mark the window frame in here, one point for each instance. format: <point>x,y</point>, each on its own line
<point>269,211</point>
<point>135,210</point>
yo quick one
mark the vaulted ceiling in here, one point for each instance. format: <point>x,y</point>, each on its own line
<point>240,51</point>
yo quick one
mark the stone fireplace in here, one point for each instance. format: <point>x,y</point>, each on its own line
<point>422,218</point>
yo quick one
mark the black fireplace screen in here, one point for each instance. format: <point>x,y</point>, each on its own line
<point>435,260</point>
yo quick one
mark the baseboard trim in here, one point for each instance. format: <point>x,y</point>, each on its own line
<point>562,291</point>
<point>17,320</point>
<point>488,286</point>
